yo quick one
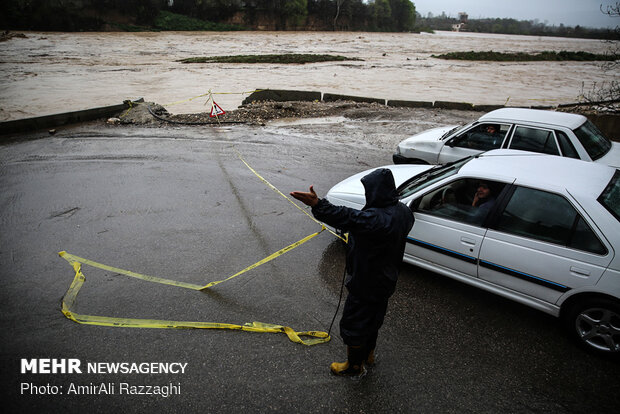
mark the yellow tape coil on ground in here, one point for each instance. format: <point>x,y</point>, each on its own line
<point>317,337</point>
<point>72,258</point>
<point>76,262</point>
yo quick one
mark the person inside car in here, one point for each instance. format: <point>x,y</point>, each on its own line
<point>483,200</point>
<point>491,129</point>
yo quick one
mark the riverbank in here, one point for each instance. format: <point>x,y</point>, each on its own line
<point>261,112</point>
<point>48,73</point>
<point>400,121</point>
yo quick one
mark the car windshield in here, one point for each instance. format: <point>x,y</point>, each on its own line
<point>429,177</point>
<point>594,142</point>
<point>610,198</point>
<point>453,130</point>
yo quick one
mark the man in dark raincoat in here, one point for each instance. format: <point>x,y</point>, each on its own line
<point>377,237</point>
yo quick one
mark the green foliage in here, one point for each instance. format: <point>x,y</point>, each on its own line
<point>355,15</point>
<point>172,21</point>
<point>282,59</point>
<point>394,15</point>
<point>295,12</point>
<point>403,15</point>
<point>383,15</point>
<point>528,57</point>
<point>209,10</point>
<point>45,15</point>
<point>351,15</point>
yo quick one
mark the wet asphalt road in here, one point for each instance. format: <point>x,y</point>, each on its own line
<point>177,203</point>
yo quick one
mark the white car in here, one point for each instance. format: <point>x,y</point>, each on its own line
<point>548,132</point>
<point>547,240</point>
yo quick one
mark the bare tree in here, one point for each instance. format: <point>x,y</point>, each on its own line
<point>338,5</point>
<point>613,11</point>
<point>607,93</point>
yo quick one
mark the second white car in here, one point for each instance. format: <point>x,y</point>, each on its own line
<point>548,132</point>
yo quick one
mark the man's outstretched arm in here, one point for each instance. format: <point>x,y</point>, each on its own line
<point>308,198</point>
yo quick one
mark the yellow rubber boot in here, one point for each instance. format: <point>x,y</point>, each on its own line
<point>370,359</point>
<point>354,365</point>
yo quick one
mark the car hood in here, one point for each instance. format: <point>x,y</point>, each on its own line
<point>350,192</point>
<point>428,138</point>
<point>612,158</point>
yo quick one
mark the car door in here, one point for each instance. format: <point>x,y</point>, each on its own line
<point>541,245</point>
<point>448,231</point>
<point>479,138</point>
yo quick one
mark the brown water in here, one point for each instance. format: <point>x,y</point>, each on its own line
<point>56,72</point>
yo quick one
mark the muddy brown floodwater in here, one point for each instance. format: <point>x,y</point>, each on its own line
<point>46,73</point>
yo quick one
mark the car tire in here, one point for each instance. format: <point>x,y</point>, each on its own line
<point>595,325</point>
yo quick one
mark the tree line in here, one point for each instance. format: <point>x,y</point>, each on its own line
<point>345,15</point>
<point>76,15</point>
<point>513,26</point>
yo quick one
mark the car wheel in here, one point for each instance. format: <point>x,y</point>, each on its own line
<point>595,324</point>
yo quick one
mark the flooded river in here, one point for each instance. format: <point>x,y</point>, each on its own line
<point>47,73</point>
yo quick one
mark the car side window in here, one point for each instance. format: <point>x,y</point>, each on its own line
<point>547,217</point>
<point>567,147</point>
<point>482,137</point>
<point>467,200</point>
<point>534,139</point>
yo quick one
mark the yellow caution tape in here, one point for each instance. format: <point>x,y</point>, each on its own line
<point>131,104</point>
<point>76,259</point>
<point>317,337</point>
<point>187,100</point>
<point>209,93</point>
<point>266,259</point>
<point>76,262</point>
<point>238,93</point>
<point>289,200</point>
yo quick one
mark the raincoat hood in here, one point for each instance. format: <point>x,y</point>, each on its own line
<point>380,189</point>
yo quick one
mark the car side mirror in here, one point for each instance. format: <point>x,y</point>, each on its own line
<point>414,205</point>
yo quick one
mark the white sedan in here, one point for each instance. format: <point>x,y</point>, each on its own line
<point>546,236</point>
<point>548,132</point>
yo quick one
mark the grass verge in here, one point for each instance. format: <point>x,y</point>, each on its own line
<point>528,57</point>
<point>283,59</point>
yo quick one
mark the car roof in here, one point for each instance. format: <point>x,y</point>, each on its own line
<point>587,179</point>
<point>537,116</point>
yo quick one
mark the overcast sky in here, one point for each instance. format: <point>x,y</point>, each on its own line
<point>569,12</point>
